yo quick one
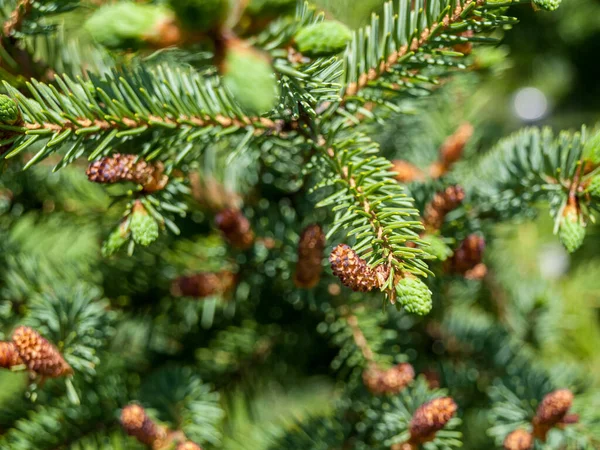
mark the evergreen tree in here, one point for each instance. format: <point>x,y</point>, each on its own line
<point>241,224</point>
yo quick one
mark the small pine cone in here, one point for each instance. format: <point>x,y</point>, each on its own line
<point>235,227</point>
<point>189,445</point>
<point>354,272</point>
<point>118,167</point>
<point>310,255</point>
<point>9,111</point>
<point>431,417</point>
<point>519,439</point>
<point>397,378</point>
<point>441,205</point>
<point>136,423</point>
<point>9,357</point>
<point>414,296</point>
<point>39,355</point>
<point>554,407</point>
<point>468,257</point>
<point>203,284</point>
<point>406,172</point>
<point>452,148</point>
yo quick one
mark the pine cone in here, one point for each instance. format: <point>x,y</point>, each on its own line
<point>236,228</point>
<point>9,357</point>
<point>39,355</point>
<point>118,167</point>
<point>310,255</point>
<point>431,417</point>
<point>414,296</point>
<point>203,284</point>
<point>136,423</point>
<point>354,272</point>
<point>406,172</point>
<point>189,445</point>
<point>519,439</point>
<point>9,111</point>
<point>572,229</point>
<point>390,381</point>
<point>441,205</point>
<point>144,229</point>
<point>468,257</point>
<point>554,407</point>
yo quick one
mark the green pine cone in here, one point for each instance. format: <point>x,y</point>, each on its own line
<point>324,38</point>
<point>144,229</point>
<point>414,296</point>
<point>115,241</point>
<point>548,5</point>
<point>200,15</point>
<point>251,79</point>
<point>594,187</point>
<point>9,111</point>
<point>571,232</point>
<point>127,25</point>
<point>437,247</point>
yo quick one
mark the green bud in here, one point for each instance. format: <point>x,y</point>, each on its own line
<point>200,15</point>
<point>127,25</point>
<point>571,231</point>
<point>323,38</point>
<point>144,229</point>
<point>414,296</point>
<point>548,5</point>
<point>251,79</point>
<point>9,111</point>
<point>115,241</point>
<point>591,150</point>
<point>437,247</point>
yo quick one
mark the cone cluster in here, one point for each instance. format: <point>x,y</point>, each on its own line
<point>136,423</point>
<point>390,381</point>
<point>519,439</point>
<point>310,255</point>
<point>431,417</point>
<point>235,227</point>
<point>354,272</point>
<point>28,347</point>
<point>467,258</point>
<point>203,284</point>
<point>441,205</point>
<point>120,167</point>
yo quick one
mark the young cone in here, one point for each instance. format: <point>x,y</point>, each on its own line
<point>118,167</point>
<point>9,356</point>
<point>414,296</point>
<point>323,38</point>
<point>39,355</point>
<point>406,172</point>
<point>235,227</point>
<point>144,229</point>
<point>310,255</point>
<point>467,258</point>
<point>353,271</point>
<point>441,205</point>
<point>519,439</point>
<point>9,111</point>
<point>431,417</point>
<point>571,231</point>
<point>136,423</point>
<point>551,412</point>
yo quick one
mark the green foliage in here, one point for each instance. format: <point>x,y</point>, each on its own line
<point>200,15</point>
<point>323,38</point>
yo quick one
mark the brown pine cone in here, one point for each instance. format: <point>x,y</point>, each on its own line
<point>118,167</point>
<point>189,445</point>
<point>39,355</point>
<point>9,357</point>
<point>441,205</point>
<point>431,417</point>
<point>554,407</point>
<point>203,284</point>
<point>451,150</point>
<point>406,172</point>
<point>136,423</point>
<point>519,439</point>
<point>354,272</point>
<point>235,227</point>
<point>391,381</point>
<point>467,257</point>
<point>310,255</point>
